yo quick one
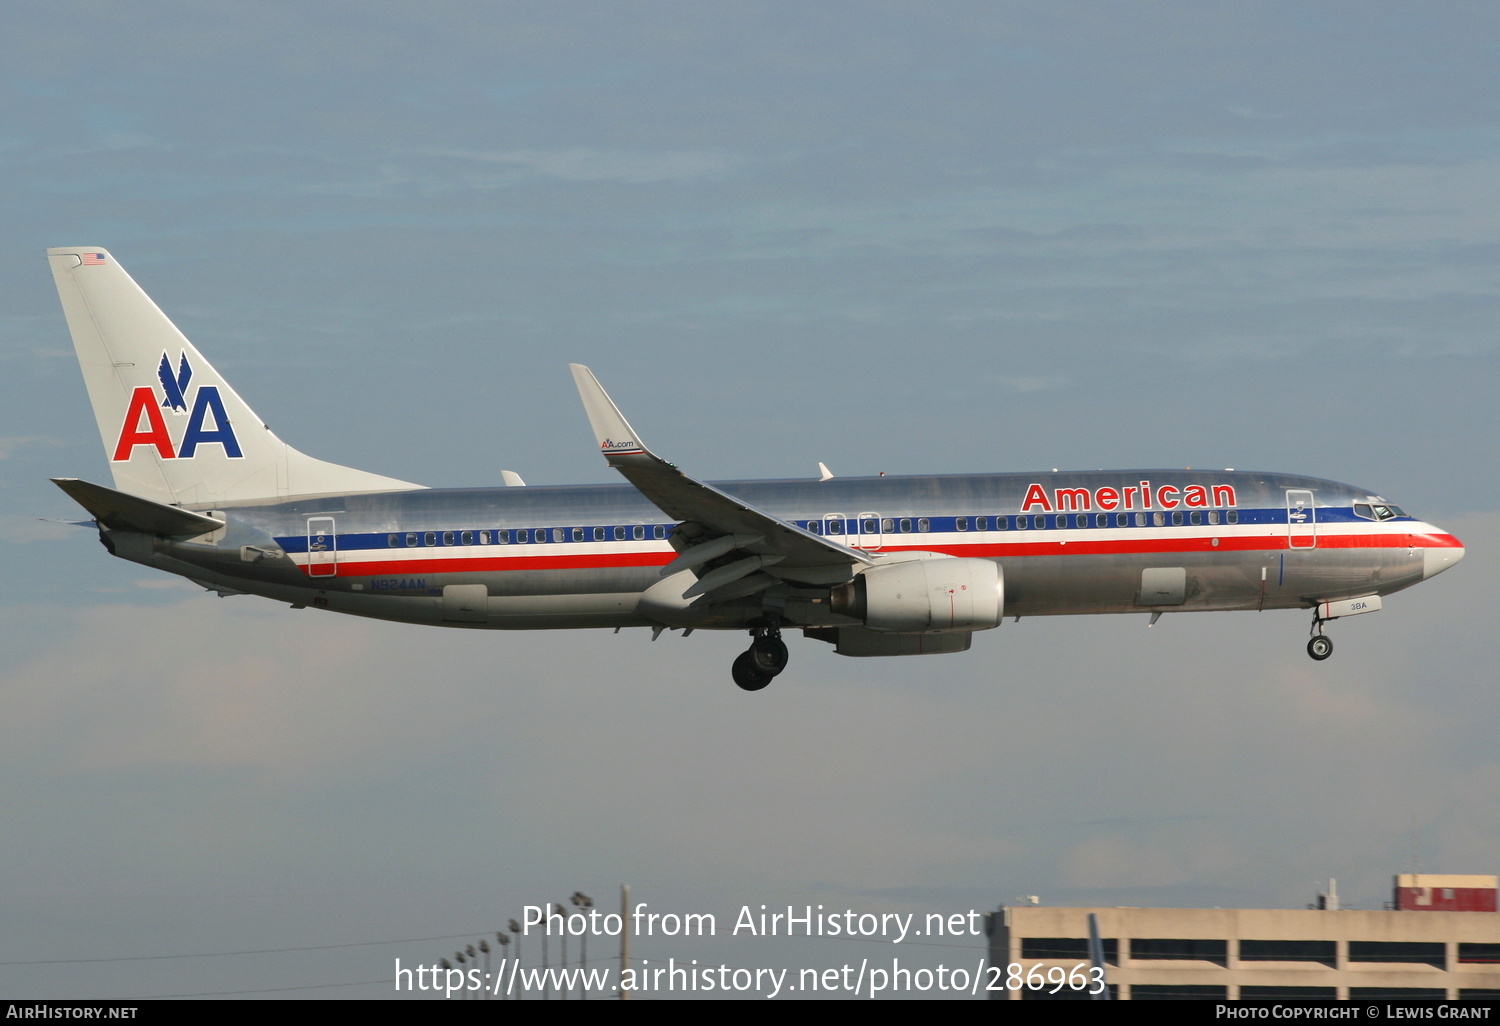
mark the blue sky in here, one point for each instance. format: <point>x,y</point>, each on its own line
<point>934,237</point>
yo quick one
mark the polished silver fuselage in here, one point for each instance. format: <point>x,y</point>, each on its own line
<point>583,556</point>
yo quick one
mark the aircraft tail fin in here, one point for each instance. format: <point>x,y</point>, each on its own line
<point>174,431</point>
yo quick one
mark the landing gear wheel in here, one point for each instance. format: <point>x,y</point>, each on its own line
<point>747,675</point>
<point>769,654</point>
<point>1320,647</point>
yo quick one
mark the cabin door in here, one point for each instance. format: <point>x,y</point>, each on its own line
<point>1301,519</point>
<point>865,532</point>
<point>322,548</point>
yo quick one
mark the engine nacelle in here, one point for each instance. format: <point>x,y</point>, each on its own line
<point>936,593</point>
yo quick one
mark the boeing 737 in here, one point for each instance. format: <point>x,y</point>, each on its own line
<point>875,566</point>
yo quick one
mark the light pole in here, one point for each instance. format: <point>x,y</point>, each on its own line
<point>562,914</point>
<point>503,939</point>
<point>583,902</point>
<point>516,931</point>
<point>484,946</point>
<point>624,939</point>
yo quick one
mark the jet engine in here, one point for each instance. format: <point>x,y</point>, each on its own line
<point>936,593</point>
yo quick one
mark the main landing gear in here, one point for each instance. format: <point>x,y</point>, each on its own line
<point>1320,645</point>
<point>765,658</point>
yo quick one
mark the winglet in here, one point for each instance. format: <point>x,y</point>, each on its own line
<point>796,553</point>
<point>611,431</point>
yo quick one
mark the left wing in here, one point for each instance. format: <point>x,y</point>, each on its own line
<point>715,524</point>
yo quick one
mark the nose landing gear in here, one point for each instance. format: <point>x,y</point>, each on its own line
<point>765,658</point>
<point>1320,646</point>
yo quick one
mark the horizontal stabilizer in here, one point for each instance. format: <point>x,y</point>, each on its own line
<point>120,511</point>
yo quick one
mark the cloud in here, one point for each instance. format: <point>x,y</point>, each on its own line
<point>591,164</point>
<point>13,444</point>
<point>22,530</point>
<point>1034,384</point>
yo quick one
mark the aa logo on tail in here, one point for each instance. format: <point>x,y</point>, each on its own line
<point>207,423</point>
<point>175,386</point>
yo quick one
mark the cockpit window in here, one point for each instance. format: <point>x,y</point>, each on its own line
<point>1364,509</point>
<point>1387,512</point>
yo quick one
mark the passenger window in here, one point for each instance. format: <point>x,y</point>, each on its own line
<point>1140,520</point>
<point>638,532</point>
<point>658,532</point>
<point>905,525</point>
<point>391,540</point>
<point>1022,523</point>
<point>1159,519</point>
<point>1233,516</point>
<point>923,525</point>
<point>1039,522</point>
<point>961,523</point>
<point>1101,519</point>
<point>887,526</point>
<point>523,536</point>
<point>1002,523</point>
<point>1176,519</point>
<point>484,537</point>
<point>981,523</point>
<point>1213,516</point>
<point>430,538</point>
<point>502,537</point>
<point>872,527</point>
<point>835,527</point>
<point>447,537</point>
<point>813,525</point>
<point>467,537</point>
<point>411,540</point>
<point>598,534</point>
<point>578,534</point>
<point>619,534</point>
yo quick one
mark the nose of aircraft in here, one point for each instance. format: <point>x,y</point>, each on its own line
<point>1437,559</point>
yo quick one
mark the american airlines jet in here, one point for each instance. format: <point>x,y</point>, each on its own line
<point>881,566</point>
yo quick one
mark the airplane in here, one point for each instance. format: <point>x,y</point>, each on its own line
<point>874,566</point>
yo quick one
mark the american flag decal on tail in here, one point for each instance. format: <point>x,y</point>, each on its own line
<point>90,259</point>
